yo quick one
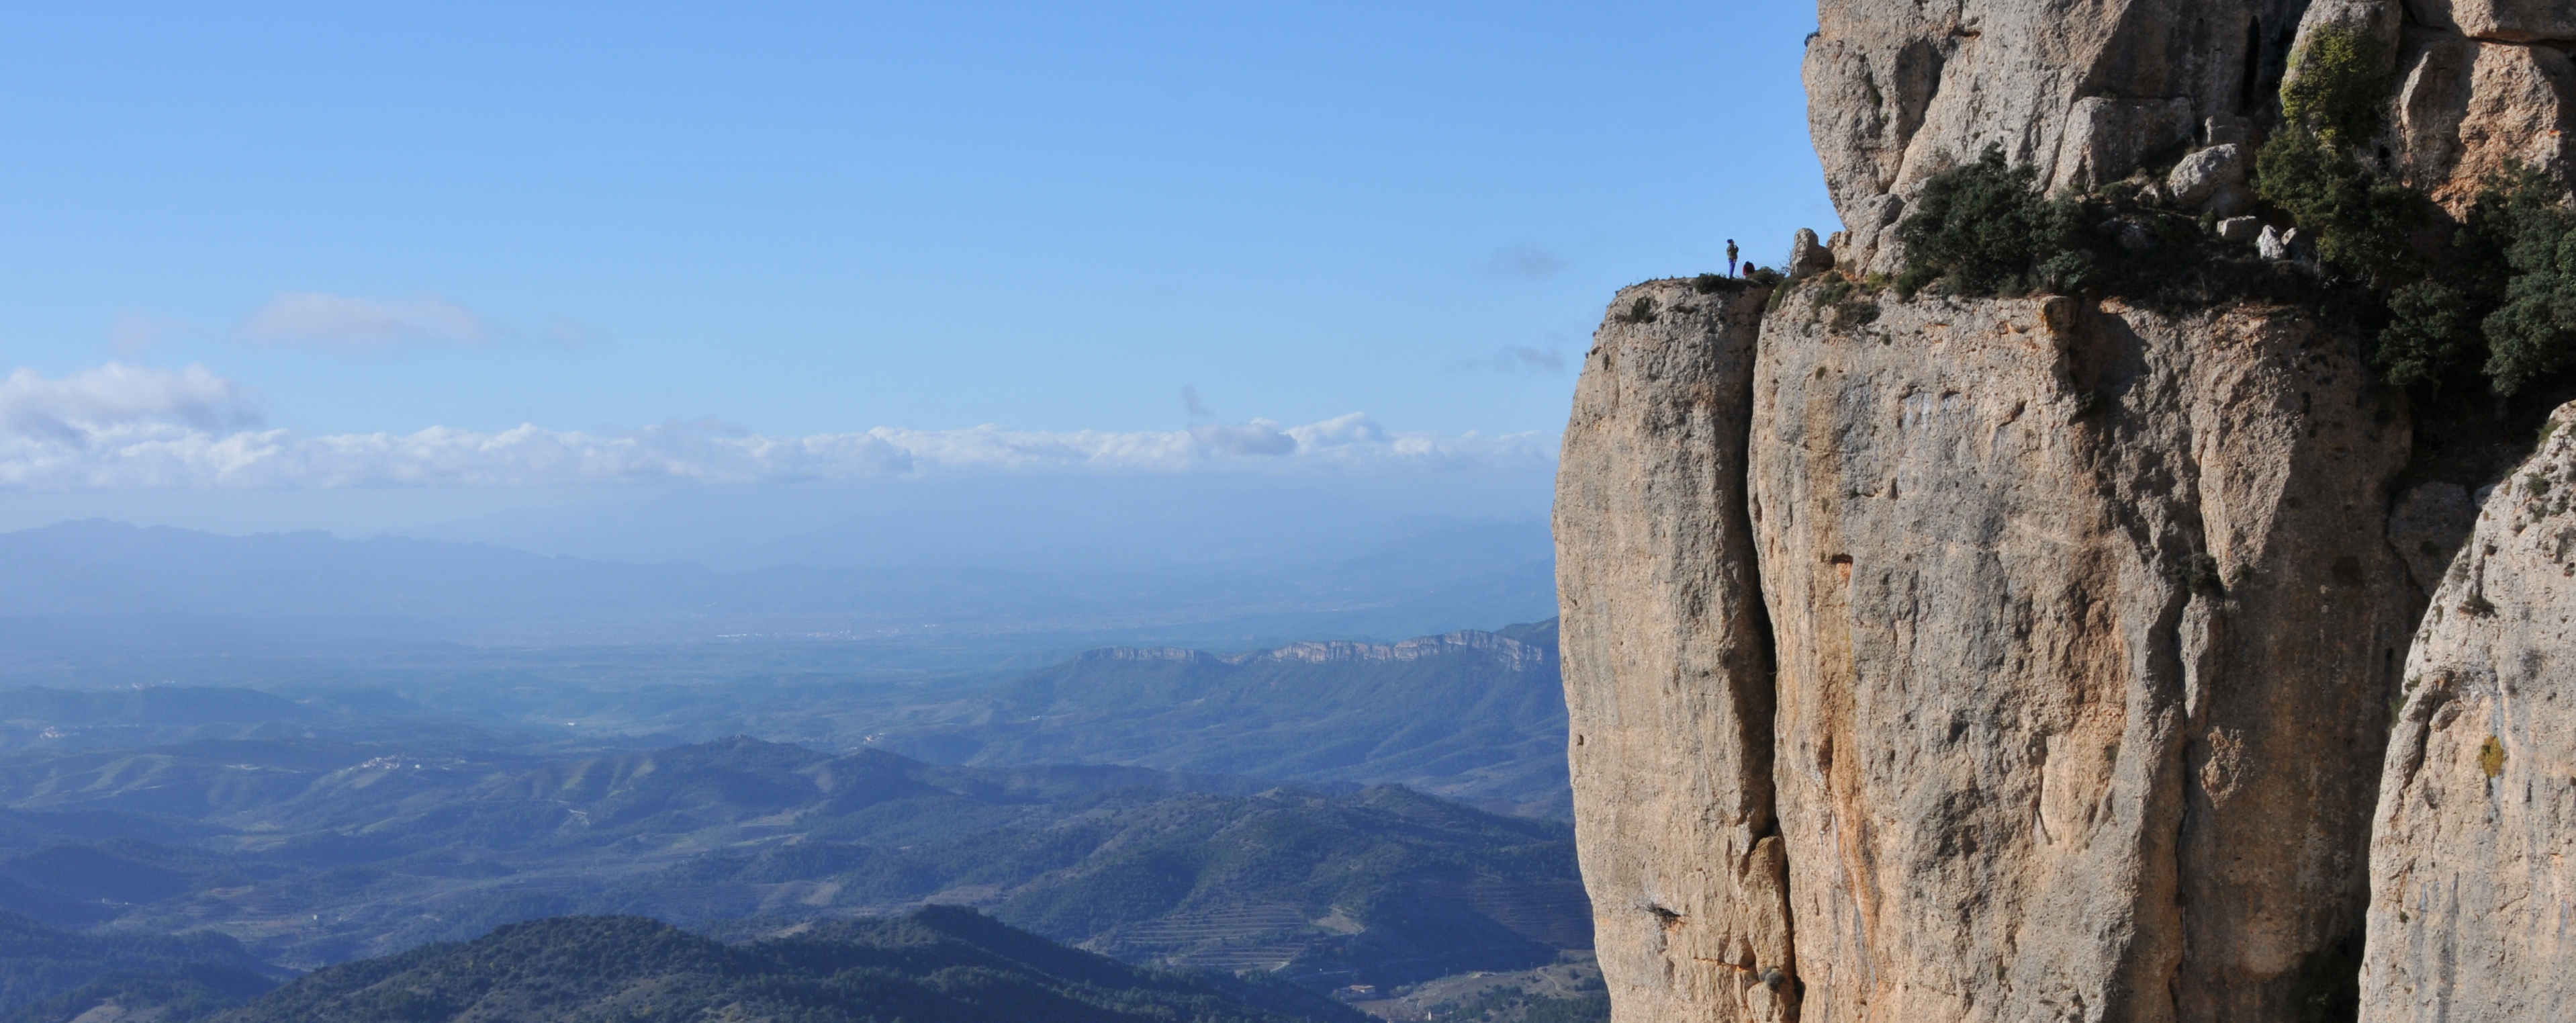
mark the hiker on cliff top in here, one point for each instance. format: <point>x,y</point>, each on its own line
<point>1730,257</point>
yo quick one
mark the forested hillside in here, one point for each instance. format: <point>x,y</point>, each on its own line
<point>939,965</point>
<point>313,852</point>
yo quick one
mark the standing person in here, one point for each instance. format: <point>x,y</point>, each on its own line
<point>1730,257</point>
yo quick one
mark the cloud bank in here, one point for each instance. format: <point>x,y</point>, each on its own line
<point>125,427</point>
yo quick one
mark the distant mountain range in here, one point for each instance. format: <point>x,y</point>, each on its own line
<point>1477,716</point>
<point>356,807</point>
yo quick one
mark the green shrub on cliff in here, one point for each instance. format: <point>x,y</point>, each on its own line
<point>2498,301</point>
<point>2499,307</point>
<point>2338,85</point>
<point>2362,221</point>
<point>2334,100</point>
<point>1983,228</point>
<point>1973,225</point>
<point>2532,335</point>
<point>2432,335</point>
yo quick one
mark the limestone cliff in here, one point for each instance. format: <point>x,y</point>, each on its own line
<point>2086,630</point>
<point>2472,893</point>
<point>2035,658</point>
<point>1670,741</point>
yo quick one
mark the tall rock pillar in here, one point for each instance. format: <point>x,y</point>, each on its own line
<point>1668,664</point>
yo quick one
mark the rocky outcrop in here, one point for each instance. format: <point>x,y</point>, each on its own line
<point>2087,92</point>
<point>2472,894</point>
<point>2085,635</point>
<point>2465,107</point>
<point>1898,92</point>
<point>2035,659</point>
<point>2520,21</point>
<point>1668,665</point>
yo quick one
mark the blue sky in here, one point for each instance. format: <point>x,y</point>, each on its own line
<point>785,220</point>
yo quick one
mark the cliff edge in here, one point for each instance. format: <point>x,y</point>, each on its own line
<point>2094,639</point>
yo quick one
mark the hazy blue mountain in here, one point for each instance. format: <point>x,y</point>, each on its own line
<point>313,851</point>
<point>1477,716</point>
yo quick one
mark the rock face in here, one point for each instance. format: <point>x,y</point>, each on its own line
<point>2521,21</point>
<point>2034,659</point>
<point>2472,893</point>
<point>2464,107</point>
<point>2085,634</point>
<point>2087,93</point>
<point>1899,91</point>
<point>1668,665</point>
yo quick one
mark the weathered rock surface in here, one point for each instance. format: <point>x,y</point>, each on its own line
<point>2197,179</point>
<point>1897,92</point>
<point>1807,255</point>
<point>1668,665</point>
<point>2067,691</point>
<point>2085,636</point>
<point>2507,20</point>
<point>2464,108</point>
<point>2473,897</point>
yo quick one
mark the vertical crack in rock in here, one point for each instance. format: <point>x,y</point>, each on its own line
<point>1667,664</point>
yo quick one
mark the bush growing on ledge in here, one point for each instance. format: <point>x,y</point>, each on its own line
<point>2338,85</point>
<point>2334,99</point>
<point>1984,229</point>
<point>2499,307</point>
<point>2363,223</point>
<point>2533,334</point>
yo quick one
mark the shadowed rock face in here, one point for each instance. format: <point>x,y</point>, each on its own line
<point>2471,888</point>
<point>1668,682</point>
<point>2085,634</point>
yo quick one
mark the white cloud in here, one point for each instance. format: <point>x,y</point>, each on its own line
<point>126,427</point>
<point>1258,437</point>
<point>368,324</point>
<point>116,396</point>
